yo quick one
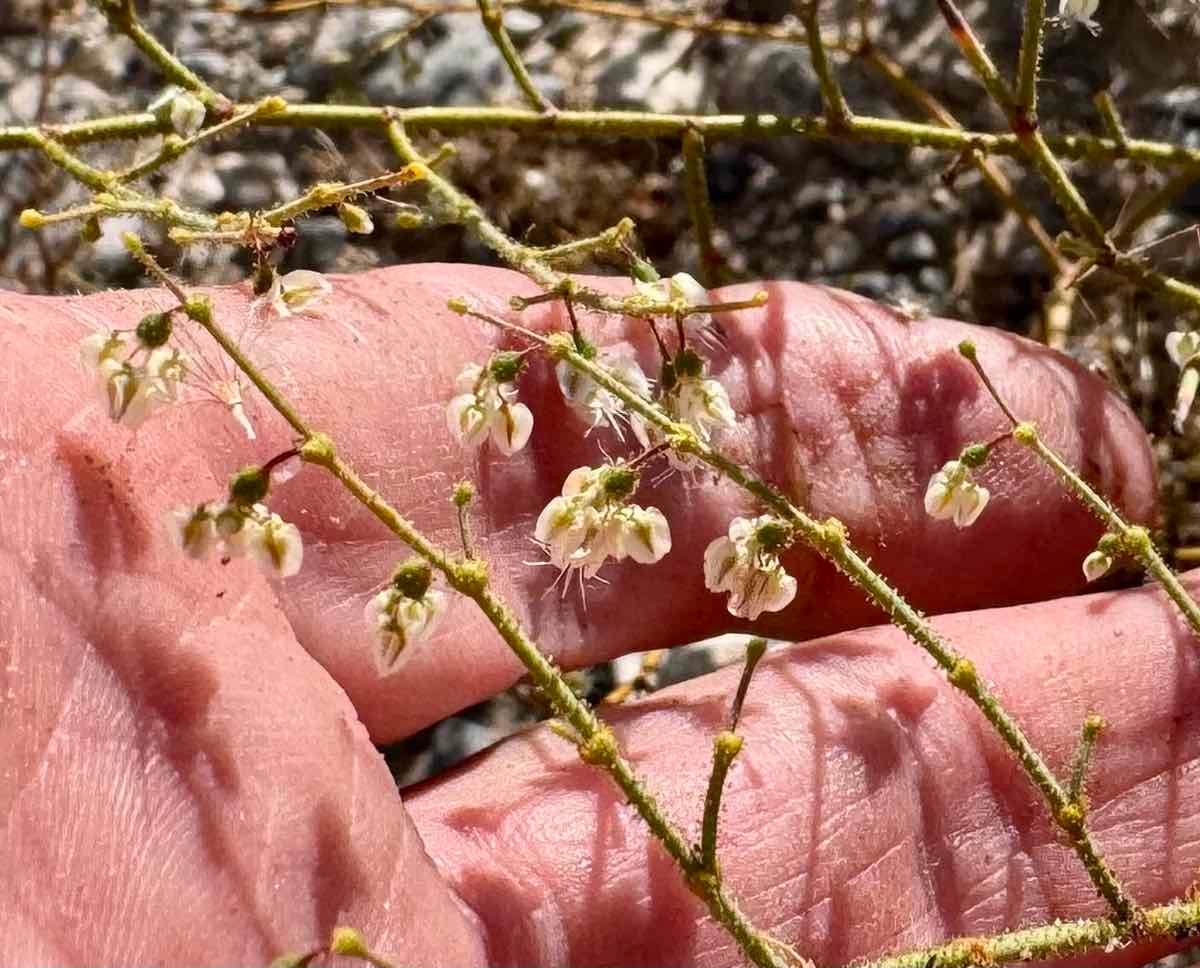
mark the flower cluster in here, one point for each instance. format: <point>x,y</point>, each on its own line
<point>239,531</point>
<point>486,406</point>
<point>694,398</point>
<point>403,613</point>
<point>242,527</point>
<point>1184,351</point>
<point>952,494</point>
<point>600,407</point>
<point>745,563</point>
<point>593,520</point>
<point>136,373</point>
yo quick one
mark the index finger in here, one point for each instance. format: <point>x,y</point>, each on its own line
<point>843,404</point>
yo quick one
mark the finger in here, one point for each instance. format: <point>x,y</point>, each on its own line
<point>180,783</point>
<point>845,406</point>
<point>871,810</point>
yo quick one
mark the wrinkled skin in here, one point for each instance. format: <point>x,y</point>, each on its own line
<point>188,776</point>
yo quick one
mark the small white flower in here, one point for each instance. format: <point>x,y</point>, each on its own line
<point>952,494</point>
<point>398,622</point>
<point>254,532</point>
<point>600,407</point>
<point>745,563</point>
<point>294,292</point>
<point>193,530</point>
<point>187,114</point>
<point>704,404</point>
<point>1182,348</point>
<point>1096,565</point>
<point>593,520</point>
<point>1080,12</point>
<point>132,391</point>
<point>486,407</point>
<point>276,545</point>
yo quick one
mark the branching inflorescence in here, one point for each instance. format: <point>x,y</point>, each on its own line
<point>674,422</point>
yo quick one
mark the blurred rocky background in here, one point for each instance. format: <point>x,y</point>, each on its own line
<point>886,221</point>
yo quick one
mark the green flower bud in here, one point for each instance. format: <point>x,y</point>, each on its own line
<point>154,330</point>
<point>249,486</point>
<point>412,578</point>
<point>505,365</point>
<point>356,219</point>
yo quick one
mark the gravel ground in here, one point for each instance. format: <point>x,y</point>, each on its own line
<point>877,219</point>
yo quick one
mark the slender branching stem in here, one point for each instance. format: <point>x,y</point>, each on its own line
<point>695,183</point>
<point>596,742</point>
<point>726,747</point>
<point>1024,127</point>
<point>123,18</point>
<point>1170,922</point>
<point>837,111</point>
<point>492,13</point>
<point>1031,58</point>
<point>1110,117</point>
<point>829,540</point>
<point>1092,726</point>
<point>991,172</point>
<point>1135,539</point>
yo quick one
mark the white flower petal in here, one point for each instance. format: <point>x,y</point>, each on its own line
<point>511,426</point>
<point>467,420</point>
<point>278,547</point>
<point>720,561</point>
<point>1096,565</point>
<point>192,530</point>
<point>646,537</point>
<point>685,287</point>
<point>1185,396</point>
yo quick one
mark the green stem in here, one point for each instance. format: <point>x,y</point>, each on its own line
<point>603,125</point>
<point>1171,922</point>
<point>1134,538</point>
<point>695,183</point>
<point>122,17</point>
<point>828,539</point>
<point>1024,127</point>
<point>1031,56</point>
<point>1111,119</point>
<point>1083,757</point>
<point>726,747</point>
<point>837,111</point>
<point>492,13</point>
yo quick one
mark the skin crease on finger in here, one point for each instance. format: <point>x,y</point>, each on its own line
<point>871,809</point>
<point>847,407</point>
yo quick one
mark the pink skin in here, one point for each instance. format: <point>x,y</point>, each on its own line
<point>184,784</point>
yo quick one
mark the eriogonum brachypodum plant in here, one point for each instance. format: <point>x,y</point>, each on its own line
<point>594,519</point>
<point>952,493</point>
<point>745,563</point>
<point>242,527</point>
<point>136,373</point>
<point>403,614</point>
<point>486,406</point>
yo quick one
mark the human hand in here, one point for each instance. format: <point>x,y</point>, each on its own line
<point>183,783</point>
